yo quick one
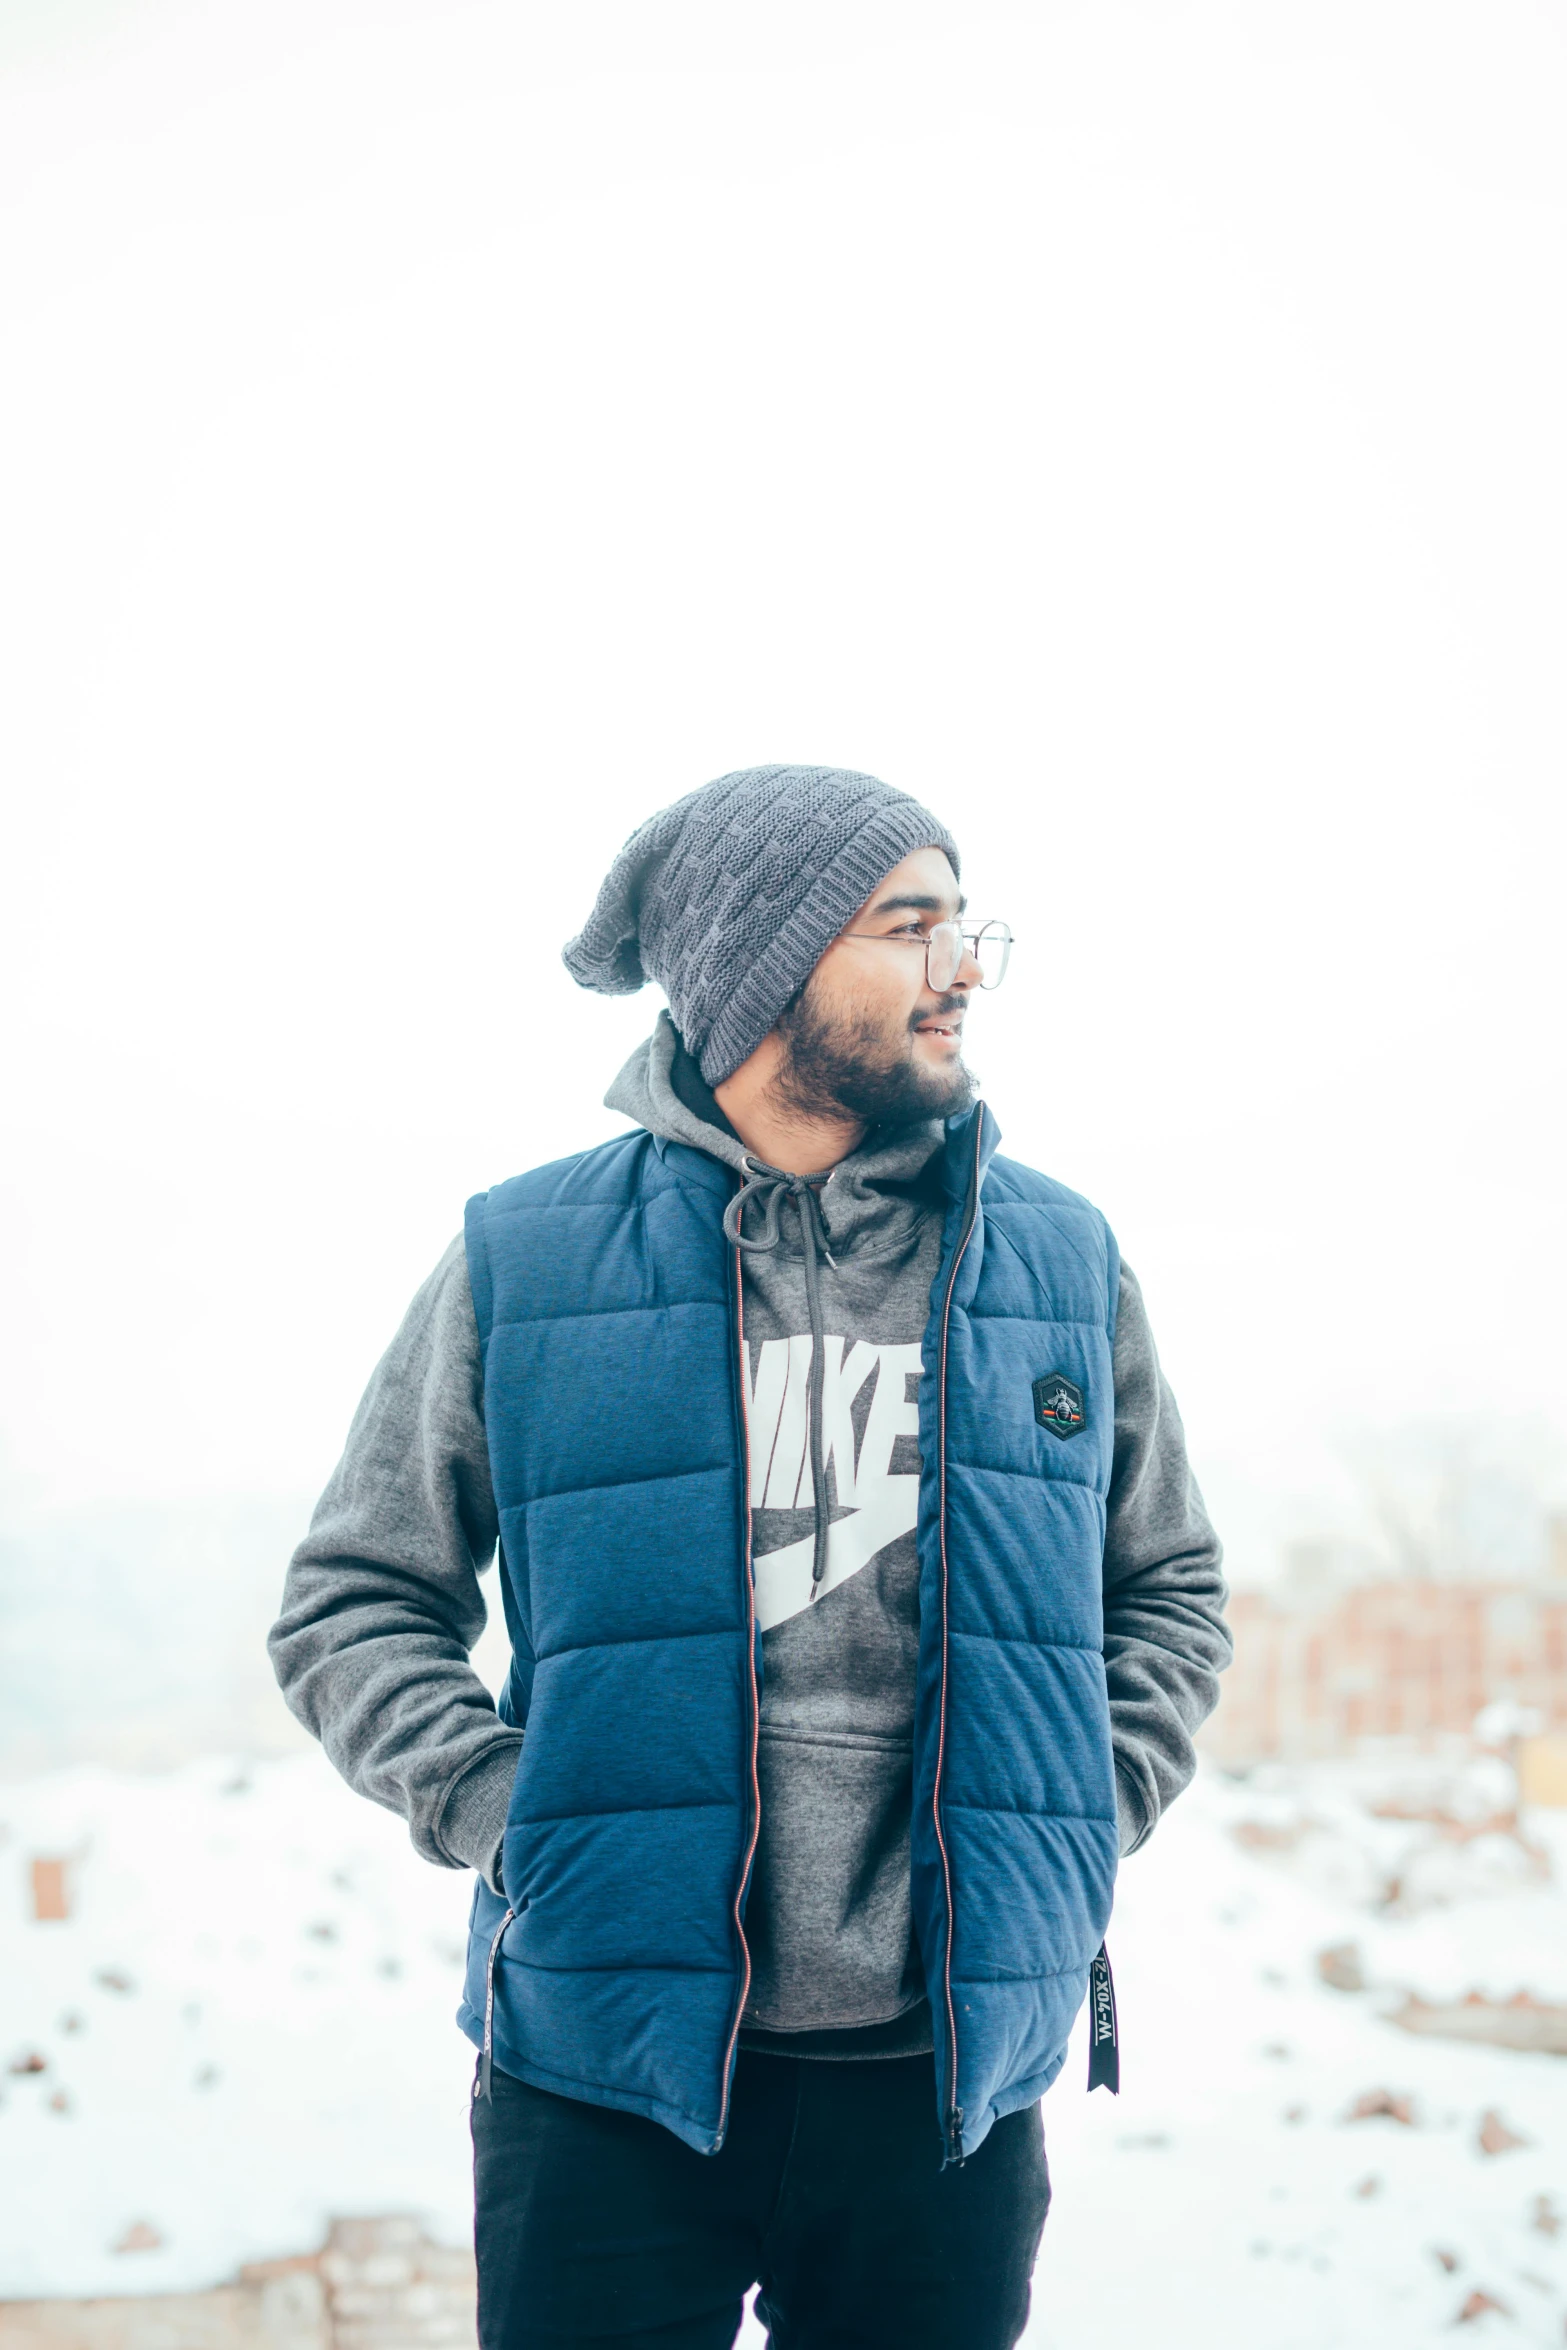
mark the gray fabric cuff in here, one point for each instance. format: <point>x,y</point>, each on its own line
<point>472,1820</point>
<point>1130,1813</point>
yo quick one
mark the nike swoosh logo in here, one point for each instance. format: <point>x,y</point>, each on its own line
<point>783,1577</point>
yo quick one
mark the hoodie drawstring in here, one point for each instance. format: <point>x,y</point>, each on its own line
<point>769,1187</point>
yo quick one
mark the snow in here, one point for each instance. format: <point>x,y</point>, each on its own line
<point>247,2025</point>
<point>284,2050</point>
<point>1223,2201</point>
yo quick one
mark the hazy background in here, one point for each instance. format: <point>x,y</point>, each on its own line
<point>432,437</point>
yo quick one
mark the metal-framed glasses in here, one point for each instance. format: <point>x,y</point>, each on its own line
<point>946,943</point>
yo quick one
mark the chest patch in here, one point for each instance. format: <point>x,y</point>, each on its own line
<point>1058,1405</point>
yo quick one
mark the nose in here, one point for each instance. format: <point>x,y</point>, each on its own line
<point>969,972</point>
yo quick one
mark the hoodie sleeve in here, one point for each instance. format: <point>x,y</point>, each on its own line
<point>1164,1595</point>
<point>382,1601</point>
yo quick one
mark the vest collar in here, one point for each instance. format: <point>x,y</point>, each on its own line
<point>958,1150</point>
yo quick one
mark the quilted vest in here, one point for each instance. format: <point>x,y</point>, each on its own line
<point>608,1304</point>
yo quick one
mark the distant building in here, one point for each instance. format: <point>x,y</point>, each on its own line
<point>1318,1670</point>
<point>377,2284</point>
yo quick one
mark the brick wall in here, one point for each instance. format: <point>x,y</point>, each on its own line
<point>1316,1672</point>
<point>376,2284</point>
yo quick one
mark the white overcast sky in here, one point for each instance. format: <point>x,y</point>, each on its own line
<point>434,436</point>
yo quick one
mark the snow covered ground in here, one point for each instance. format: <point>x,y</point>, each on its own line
<point>1224,2201</point>
<point>245,2027</point>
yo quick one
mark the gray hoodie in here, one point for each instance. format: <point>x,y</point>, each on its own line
<point>382,1601</point>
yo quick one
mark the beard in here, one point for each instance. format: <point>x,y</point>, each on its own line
<point>856,1064</point>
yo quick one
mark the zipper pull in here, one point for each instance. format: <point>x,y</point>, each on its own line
<point>1104,2047</point>
<point>955,2137</point>
<point>486,2059</point>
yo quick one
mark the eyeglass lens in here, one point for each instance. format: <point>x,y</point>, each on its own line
<point>990,943</point>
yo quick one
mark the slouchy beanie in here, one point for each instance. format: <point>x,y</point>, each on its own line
<point>729,898</point>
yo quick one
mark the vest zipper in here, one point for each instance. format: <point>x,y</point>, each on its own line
<point>755,1803</point>
<point>954,2119</point>
<point>487,2056</point>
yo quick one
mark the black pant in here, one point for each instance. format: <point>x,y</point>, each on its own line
<point>593,2226</point>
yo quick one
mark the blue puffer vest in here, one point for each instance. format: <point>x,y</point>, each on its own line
<point>608,1305</point>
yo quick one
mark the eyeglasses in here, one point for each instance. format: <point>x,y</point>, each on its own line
<point>946,943</point>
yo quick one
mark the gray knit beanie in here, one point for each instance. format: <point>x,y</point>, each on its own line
<point>729,898</point>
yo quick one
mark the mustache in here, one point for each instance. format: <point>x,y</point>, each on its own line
<point>944,1010</point>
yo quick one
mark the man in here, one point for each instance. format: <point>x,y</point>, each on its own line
<point>861,1601</point>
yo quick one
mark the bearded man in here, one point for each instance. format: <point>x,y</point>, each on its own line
<point>862,1608</point>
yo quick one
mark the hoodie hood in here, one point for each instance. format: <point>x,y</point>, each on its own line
<point>871,1200</point>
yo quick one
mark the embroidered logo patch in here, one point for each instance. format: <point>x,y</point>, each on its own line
<point>1058,1405</point>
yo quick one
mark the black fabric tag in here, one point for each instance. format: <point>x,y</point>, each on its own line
<point>1104,2049</point>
